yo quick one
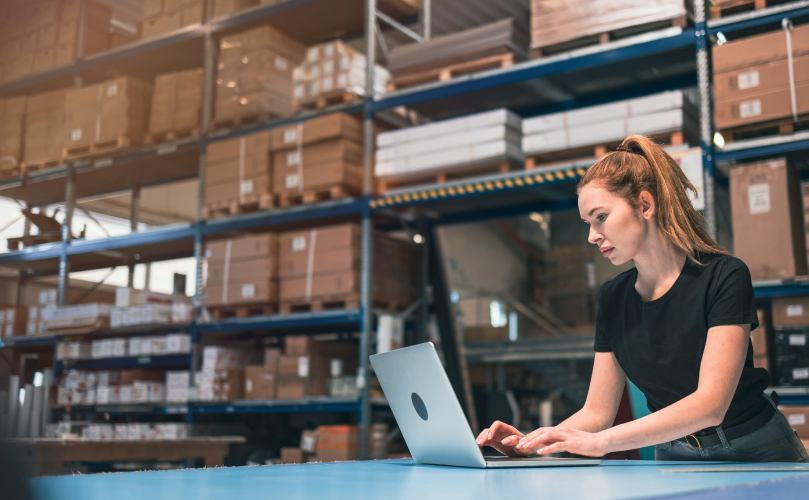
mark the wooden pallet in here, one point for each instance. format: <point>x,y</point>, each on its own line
<point>385,184</point>
<point>348,301</point>
<point>242,310</point>
<point>97,148</point>
<point>237,122</point>
<point>249,203</point>
<point>292,197</point>
<point>161,137</point>
<point>782,126</point>
<point>10,172</point>
<point>33,166</point>
<point>596,151</point>
<point>605,37</point>
<point>448,72</point>
<point>725,8</point>
<point>326,99</point>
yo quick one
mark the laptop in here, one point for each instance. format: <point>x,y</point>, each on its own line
<point>430,417</point>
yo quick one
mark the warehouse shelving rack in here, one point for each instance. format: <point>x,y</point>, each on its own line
<point>654,62</point>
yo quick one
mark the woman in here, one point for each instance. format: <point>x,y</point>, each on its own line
<point>677,325</point>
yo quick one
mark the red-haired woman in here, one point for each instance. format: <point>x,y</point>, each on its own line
<point>677,325</point>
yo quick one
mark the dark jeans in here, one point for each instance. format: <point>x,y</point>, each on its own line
<point>776,441</point>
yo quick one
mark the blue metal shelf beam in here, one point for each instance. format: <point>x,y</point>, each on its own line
<point>156,361</point>
<point>345,318</point>
<point>757,19</point>
<point>767,291</point>
<point>245,407</point>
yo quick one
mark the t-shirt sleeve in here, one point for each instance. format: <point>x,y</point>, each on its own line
<point>731,301</point>
<point>601,344</point>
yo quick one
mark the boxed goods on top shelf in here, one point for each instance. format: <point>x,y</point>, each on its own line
<point>163,16</point>
<point>155,345</point>
<point>38,36</point>
<point>768,229</point>
<point>334,72</point>
<point>95,315</point>
<point>494,45</point>
<point>44,130</point>
<point>458,147</point>
<point>558,25</point>
<point>254,76</point>
<point>760,88</point>
<point>142,307</point>
<point>12,118</point>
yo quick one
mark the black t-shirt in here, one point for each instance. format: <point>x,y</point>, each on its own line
<point>659,344</point>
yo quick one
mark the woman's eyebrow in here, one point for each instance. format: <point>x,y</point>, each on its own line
<point>593,210</point>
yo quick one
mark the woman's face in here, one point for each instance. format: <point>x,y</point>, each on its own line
<point>615,227</point>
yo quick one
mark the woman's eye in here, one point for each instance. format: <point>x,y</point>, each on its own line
<point>601,217</point>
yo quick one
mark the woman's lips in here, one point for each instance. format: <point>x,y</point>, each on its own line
<point>606,252</point>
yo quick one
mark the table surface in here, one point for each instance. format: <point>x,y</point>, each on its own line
<point>393,479</point>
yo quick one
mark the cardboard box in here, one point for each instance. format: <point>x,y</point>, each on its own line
<point>292,456</point>
<point>14,321</point>
<point>44,126</point>
<point>176,102</point>
<point>161,24</point>
<point>298,345</point>
<point>753,80</point>
<point>296,179</point>
<point>337,443</point>
<point>259,383</point>
<point>229,384</point>
<point>325,239</point>
<point>767,228</point>
<point>217,358</point>
<point>333,126</point>
<point>227,7</point>
<point>242,293</point>
<point>755,50</point>
<point>12,114</point>
<point>798,418</point>
<point>790,311</point>
<point>243,271</point>
<point>271,360</point>
<point>328,151</point>
<point>241,249</point>
<point>152,8</point>
<point>129,377</point>
<point>44,59</point>
<point>762,107</point>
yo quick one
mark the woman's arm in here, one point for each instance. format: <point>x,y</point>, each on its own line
<point>720,370</point>
<point>603,398</point>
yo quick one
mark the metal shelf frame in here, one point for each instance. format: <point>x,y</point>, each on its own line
<point>454,203</point>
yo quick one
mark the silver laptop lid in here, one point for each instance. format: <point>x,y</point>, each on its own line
<point>425,406</point>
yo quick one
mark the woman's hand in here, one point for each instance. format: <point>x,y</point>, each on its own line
<point>502,437</point>
<point>555,439</point>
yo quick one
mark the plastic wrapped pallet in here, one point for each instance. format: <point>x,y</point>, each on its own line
<point>12,114</point>
<point>334,69</point>
<point>45,127</point>
<point>502,37</point>
<point>163,16</point>
<point>115,111</point>
<point>557,21</point>
<point>176,103</point>
<point>490,136</point>
<point>609,123</point>
<point>254,75</point>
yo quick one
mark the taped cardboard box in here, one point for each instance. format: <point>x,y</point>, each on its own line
<point>244,271</point>
<point>798,418</point>
<point>227,7</point>
<point>242,293</point>
<point>323,238</point>
<point>761,78</point>
<point>293,456</point>
<point>242,105</point>
<point>239,191</point>
<point>44,59</point>
<point>339,284</point>
<point>163,23</point>
<point>12,119</point>
<point>264,37</point>
<point>763,107</point>
<point>176,102</point>
<point>326,151</point>
<point>767,222</point>
<point>296,179</point>
<point>337,443</point>
<point>45,126</point>
<point>336,125</point>
<point>242,248</point>
<point>790,311</point>
<point>14,321</point>
<point>759,49</point>
<point>259,383</point>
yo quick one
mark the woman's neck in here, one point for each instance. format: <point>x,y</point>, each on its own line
<point>658,267</point>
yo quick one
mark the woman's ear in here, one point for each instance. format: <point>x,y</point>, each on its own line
<point>648,208</point>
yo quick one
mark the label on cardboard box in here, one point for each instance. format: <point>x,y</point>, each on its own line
<point>281,63</point>
<point>759,195</point>
<point>75,134</point>
<point>328,67</point>
<point>300,90</point>
<point>246,187</point>
<point>248,291</point>
<point>336,367</point>
<point>342,81</point>
<point>290,135</point>
<point>797,419</point>
<point>797,339</point>
<point>9,330</point>
<point>750,108</point>
<point>794,310</point>
<point>328,50</point>
<point>303,366</point>
<point>748,80</point>
<point>299,244</point>
<point>10,315</point>
<point>800,373</point>
<point>327,84</point>
<point>311,54</point>
<point>291,180</point>
<point>248,385</point>
<point>293,158</point>
<point>112,89</point>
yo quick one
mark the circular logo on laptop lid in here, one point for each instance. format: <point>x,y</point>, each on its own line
<point>418,404</point>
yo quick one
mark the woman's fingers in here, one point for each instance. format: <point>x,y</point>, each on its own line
<point>510,440</point>
<point>549,436</point>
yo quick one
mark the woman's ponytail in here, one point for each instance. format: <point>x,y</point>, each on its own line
<point>638,165</point>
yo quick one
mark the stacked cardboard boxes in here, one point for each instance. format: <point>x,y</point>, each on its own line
<point>752,78</point>
<point>260,381</point>
<point>479,324</point>
<point>227,7</point>
<point>242,271</point>
<point>336,443</point>
<point>484,137</point>
<point>13,321</point>
<point>334,69</point>
<point>176,103</point>
<point>12,127</point>
<point>666,113</point>
<point>572,284</point>
<point>238,170</point>
<point>162,16</point>
<point>759,339</point>
<point>114,111</point>
<point>790,342</point>
<point>317,154</point>
<point>554,22</point>
<point>306,366</point>
<point>38,36</point>
<point>768,229</point>
<point>323,265</point>
<point>798,418</point>
<point>44,127</point>
<point>254,75</point>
